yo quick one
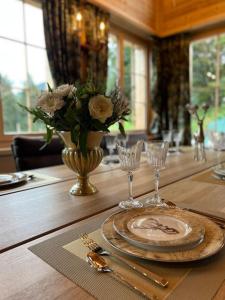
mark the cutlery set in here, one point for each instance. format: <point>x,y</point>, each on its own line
<point>96,260</point>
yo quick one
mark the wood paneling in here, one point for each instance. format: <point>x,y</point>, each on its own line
<point>140,13</point>
<point>181,15</point>
<point>166,17</point>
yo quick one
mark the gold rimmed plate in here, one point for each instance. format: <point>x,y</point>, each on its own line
<point>7,180</point>
<point>212,243</point>
<point>165,228</point>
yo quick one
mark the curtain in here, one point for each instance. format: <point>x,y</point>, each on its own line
<point>170,82</point>
<point>75,55</point>
<point>95,49</point>
<point>62,43</point>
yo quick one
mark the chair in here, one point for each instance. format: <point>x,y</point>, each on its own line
<point>28,155</point>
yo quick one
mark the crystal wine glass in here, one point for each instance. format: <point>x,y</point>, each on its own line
<point>177,136</point>
<point>156,157</point>
<point>111,145</point>
<point>130,161</point>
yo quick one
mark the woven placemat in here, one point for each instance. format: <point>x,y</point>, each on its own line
<point>198,280</point>
<point>37,180</point>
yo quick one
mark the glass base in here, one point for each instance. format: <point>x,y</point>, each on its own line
<point>128,204</point>
<point>155,201</point>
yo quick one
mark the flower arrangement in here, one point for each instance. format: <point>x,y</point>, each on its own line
<point>194,110</point>
<point>80,109</point>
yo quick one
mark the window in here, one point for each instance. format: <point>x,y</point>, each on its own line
<point>207,58</point>
<point>127,65</point>
<point>24,68</point>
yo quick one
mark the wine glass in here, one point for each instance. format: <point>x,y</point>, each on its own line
<point>156,157</point>
<point>177,136</point>
<point>130,161</point>
<point>122,140</point>
<point>111,145</point>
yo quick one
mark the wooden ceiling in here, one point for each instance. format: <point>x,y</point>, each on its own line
<point>166,17</point>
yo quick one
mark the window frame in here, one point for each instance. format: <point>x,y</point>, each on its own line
<point>6,139</point>
<point>122,36</point>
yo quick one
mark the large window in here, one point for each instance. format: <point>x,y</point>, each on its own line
<point>24,68</point>
<point>127,66</point>
<point>208,79</point>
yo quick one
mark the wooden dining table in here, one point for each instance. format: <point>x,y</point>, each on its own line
<point>32,213</point>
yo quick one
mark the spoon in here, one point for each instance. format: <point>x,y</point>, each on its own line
<point>101,265</point>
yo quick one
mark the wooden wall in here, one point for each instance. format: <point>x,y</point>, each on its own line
<point>166,17</point>
<point>140,13</point>
<point>180,15</point>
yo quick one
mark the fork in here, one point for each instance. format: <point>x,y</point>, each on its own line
<point>93,246</point>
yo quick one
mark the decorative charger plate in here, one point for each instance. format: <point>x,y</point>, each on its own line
<point>154,227</point>
<point>12,178</point>
<point>212,243</point>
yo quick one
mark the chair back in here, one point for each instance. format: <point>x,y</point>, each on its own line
<point>28,155</point>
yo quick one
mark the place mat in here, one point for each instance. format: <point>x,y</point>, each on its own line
<point>208,178</point>
<point>66,254</point>
<point>37,180</point>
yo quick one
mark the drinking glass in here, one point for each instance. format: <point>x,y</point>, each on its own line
<point>111,145</point>
<point>156,157</point>
<point>177,136</point>
<point>130,161</point>
<point>122,140</point>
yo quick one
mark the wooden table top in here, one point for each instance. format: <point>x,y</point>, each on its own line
<point>26,276</point>
<point>29,214</point>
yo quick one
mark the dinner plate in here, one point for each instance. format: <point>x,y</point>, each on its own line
<point>11,179</point>
<point>154,227</point>
<point>220,172</point>
<point>212,243</point>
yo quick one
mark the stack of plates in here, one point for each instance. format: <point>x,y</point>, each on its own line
<point>12,179</point>
<point>170,234</point>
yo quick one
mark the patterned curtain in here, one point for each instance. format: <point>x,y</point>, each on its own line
<point>170,81</point>
<point>75,55</point>
<point>95,48</point>
<point>62,43</point>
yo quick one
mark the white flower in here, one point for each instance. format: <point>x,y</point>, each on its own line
<point>64,90</point>
<point>49,102</point>
<point>100,108</point>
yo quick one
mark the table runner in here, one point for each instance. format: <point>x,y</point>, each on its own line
<point>197,280</point>
<point>37,180</point>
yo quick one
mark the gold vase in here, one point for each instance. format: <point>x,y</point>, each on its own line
<point>82,166</point>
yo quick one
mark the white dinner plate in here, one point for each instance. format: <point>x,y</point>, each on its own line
<point>12,179</point>
<point>165,229</point>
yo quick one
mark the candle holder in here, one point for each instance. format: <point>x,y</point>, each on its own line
<point>199,152</point>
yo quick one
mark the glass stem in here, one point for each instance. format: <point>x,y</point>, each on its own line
<point>177,146</point>
<point>130,185</point>
<point>157,177</point>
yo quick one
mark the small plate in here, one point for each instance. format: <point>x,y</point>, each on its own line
<point>219,172</point>
<point>11,179</point>
<point>212,243</point>
<point>168,228</point>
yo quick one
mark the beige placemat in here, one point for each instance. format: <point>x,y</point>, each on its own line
<point>197,280</point>
<point>37,180</point>
<point>208,178</point>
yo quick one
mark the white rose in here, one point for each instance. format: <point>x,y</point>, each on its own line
<point>49,102</point>
<point>64,90</point>
<point>100,108</point>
